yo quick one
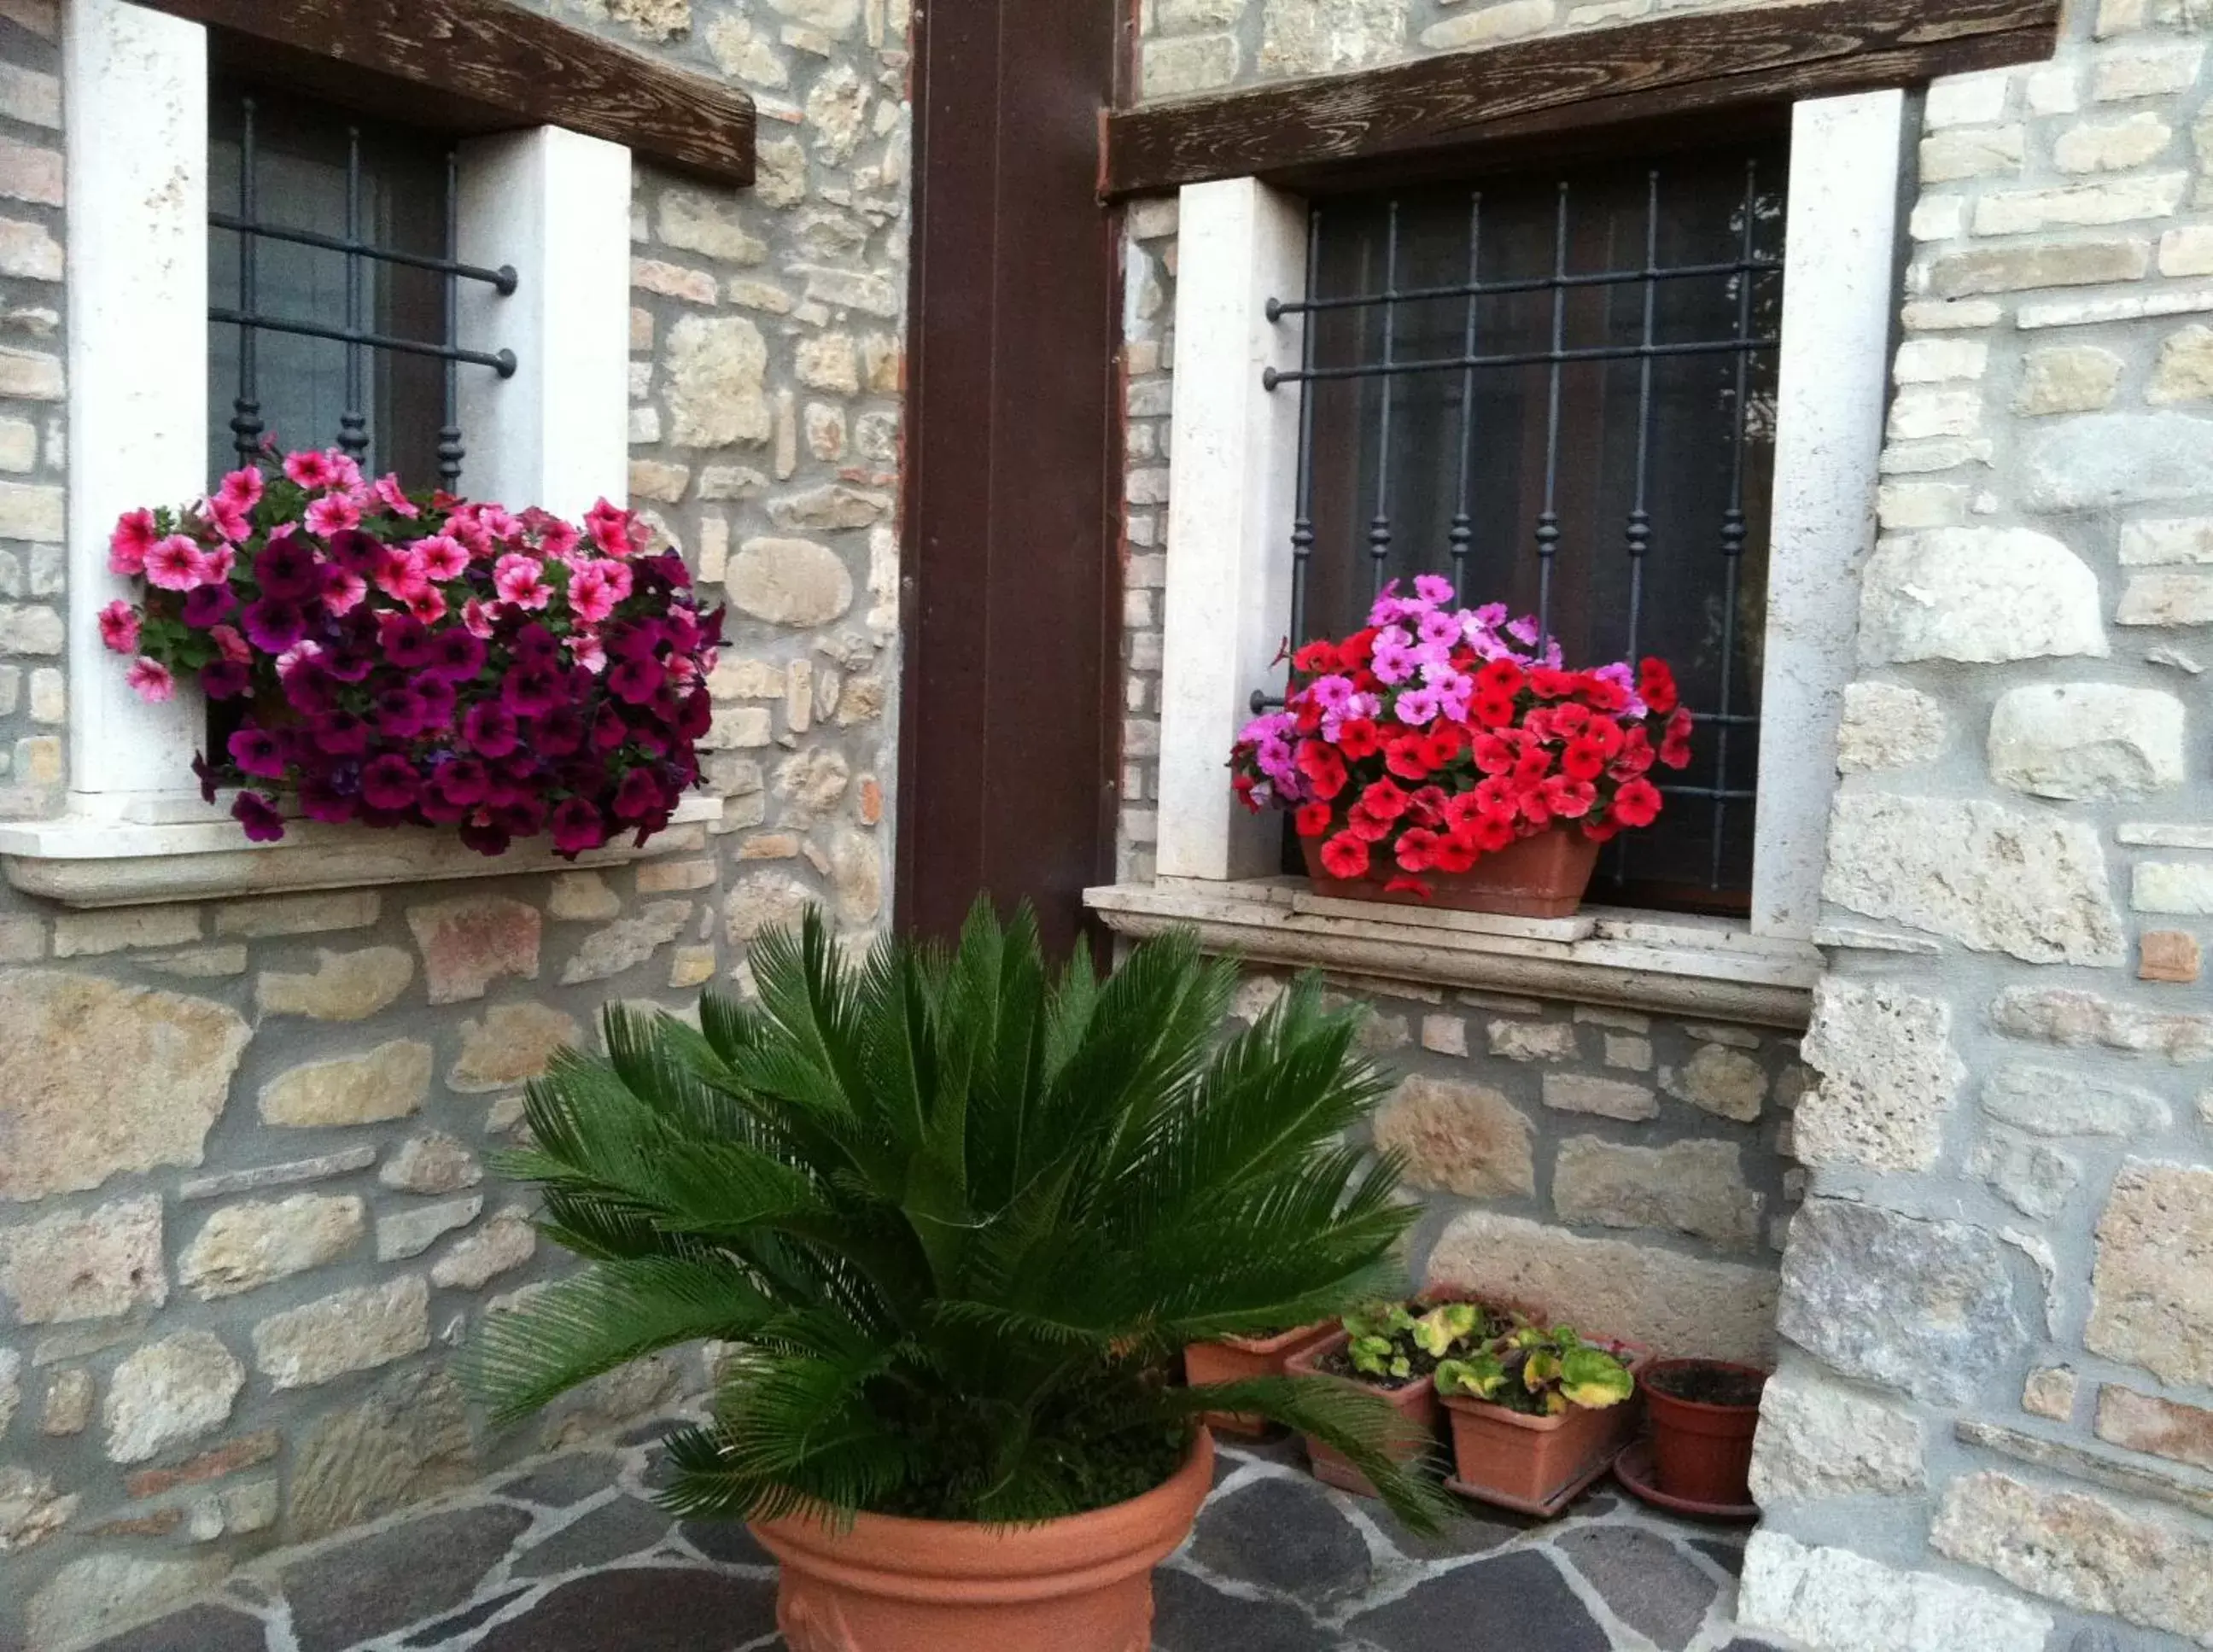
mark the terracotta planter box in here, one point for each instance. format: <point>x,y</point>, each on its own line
<point>1703,1453</point>
<point>1416,1402</point>
<point>886,1584</point>
<point>1536,1465</point>
<point>1543,876</point>
<point>1233,1359</point>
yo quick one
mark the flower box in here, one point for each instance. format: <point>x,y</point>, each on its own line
<point>1543,876</point>
<point>1416,1401</point>
<point>1234,1359</point>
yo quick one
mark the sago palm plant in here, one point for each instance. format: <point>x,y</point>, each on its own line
<point>956,1217</point>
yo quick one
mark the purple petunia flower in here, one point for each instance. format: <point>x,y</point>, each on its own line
<point>389,782</point>
<point>406,641</point>
<point>263,824</point>
<point>489,730</point>
<point>209,605</point>
<point>534,645</point>
<point>286,570</point>
<point>635,680</point>
<point>461,782</point>
<point>530,691</point>
<point>1418,707</point>
<point>577,827</point>
<point>321,800</point>
<point>438,697</point>
<point>224,679</point>
<point>456,656</point>
<point>258,752</point>
<point>341,734</point>
<point>638,795</point>
<point>273,625</point>
<point>397,714</point>
<point>559,732</point>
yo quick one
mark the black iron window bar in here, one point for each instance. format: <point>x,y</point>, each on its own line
<point>1742,344</point>
<point>247,429</point>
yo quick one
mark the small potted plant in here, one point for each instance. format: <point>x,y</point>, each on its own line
<point>1703,1413</point>
<point>1442,755</point>
<point>1391,1348</point>
<point>958,1214</point>
<point>1233,1359</point>
<point>1537,1416</point>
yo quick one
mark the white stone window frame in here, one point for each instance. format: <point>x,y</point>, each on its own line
<point>1233,469</point>
<point>554,203</point>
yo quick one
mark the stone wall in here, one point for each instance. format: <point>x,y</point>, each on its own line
<point>245,1216</point>
<point>1993,1424</point>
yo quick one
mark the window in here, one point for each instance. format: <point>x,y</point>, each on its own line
<point>1559,390</point>
<point>1756,441</point>
<point>333,290</point>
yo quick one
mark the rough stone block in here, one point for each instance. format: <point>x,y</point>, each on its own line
<point>1821,1438</point>
<point>585,895</point>
<point>2151,1301</point>
<point>1843,1602</point>
<point>343,986</point>
<point>1518,1040</point>
<point>2049,1393</point>
<point>99,1263</point>
<point>2081,1552</point>
<point>2034,1178</point>
<point>90,1598</point>
<point>2087,741</point>
<point>2053,1102</point>
<point>1947,156</point>
<point>626,943</point>
<point>414,1229</point>
<point>1981,595</point>
<point>106,1079</point>
<point>469,943</point>
<point>2170,955</point>
<point>280,915</point>
<point>2182,887</point>
<point>2021,269</point>
<point>2013,212</point>
<point>1607,1098</point>
<point>168,1393</point>
<point>512,1043</point>
<point>765,900</point>
<point>1989,878</point>
<point>67,1408</point>
<point>1459,1138</point>
<point>2110,459</point>
<point>407,1442</point>
<point>2067,379</point>
<point>1689,1187</point>
<point>1614,1286</point>
<point>390,1082</point>
<point>1716,1079</point>
<point>2112,146</point>
<point>1886,726</point>
<point>431,1163</point>
<point>32,1509</point>
<point>788,581</point>
<point>1889,1075</point>
<point>2067,1016</point>
<point>502,1245</point>
<point>352,1330</point>
<point>248,1246</point>
<point>1928,1308</point>
<point>2166,598</point>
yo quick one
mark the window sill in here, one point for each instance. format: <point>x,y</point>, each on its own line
<point>173,853</point>
<point>1664,962</point>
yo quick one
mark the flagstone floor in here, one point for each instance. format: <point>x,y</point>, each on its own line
<point>567,1555</point>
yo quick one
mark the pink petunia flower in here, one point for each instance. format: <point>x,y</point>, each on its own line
<point>444,557</point>
<point>557,538</point>
<point>402,577</point>
<point>176,564</point>
<point>591,595</point>
<point>119,627</point>
<point>588,651</point>
<point>618,576</point>
<point>150,680</point>
<point>343,590</point>
<point>394,497</point>
<point>477,615</point>
<point>232,644</point>
<point>227,519</point>
<point>610,527</point>
<point>241,488</point>
<point>521,580</point>
<point>311,470</point>
<point>427,605</point>
<point>135,535</point>
<point>332,514</point>
<point>220,562</point>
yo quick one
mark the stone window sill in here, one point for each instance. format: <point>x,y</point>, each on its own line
<point>1658,961</point>
<point>180,850</point>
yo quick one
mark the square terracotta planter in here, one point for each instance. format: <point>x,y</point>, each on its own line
<point>1537,1465</point>
<point>1416,1402</point>
<point>1543,876</point>
<point>1233,1359</point>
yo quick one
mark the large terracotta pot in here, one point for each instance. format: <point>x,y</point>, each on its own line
<point>1234,1359</point>
<point>1536,1465</point>
<point>1416,1401</point>
<point>1543,876</point>
<point>1701,1453</point>
<point>1080,1584</point>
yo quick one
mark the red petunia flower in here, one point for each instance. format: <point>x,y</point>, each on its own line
<point>1584,759</point>
<point>1637,803</point>
<point>1368,827</point>
<point>1417,849</point>
<point>1403,757</point>
<point>1344,856</point>
<point>1675,743</point>
<point>1384,801</point>
<point>1500,679</point>
<point>1656,686</point>
<point>1312,819</point>
<point>1357,737</point>
<point>1491,710</point>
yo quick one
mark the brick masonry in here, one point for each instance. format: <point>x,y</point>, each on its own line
<point>1996,1354</point>
<point>246,1214</point>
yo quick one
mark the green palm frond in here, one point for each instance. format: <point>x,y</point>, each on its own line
<point>955,1214</point>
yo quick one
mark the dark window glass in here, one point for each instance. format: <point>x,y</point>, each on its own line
<point>300,155</point>
<point>1645,475</point>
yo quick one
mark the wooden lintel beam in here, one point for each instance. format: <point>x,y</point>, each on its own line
<point>498,65</point>
<point>1302,129</point>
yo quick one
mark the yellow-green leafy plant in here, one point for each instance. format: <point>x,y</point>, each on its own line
<point>1540,1372</point>
<point>1397,1342</point>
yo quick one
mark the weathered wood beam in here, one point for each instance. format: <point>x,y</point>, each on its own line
<point>479,65</point>
<point>1297,131</point>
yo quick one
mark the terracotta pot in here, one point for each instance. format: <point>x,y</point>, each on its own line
<point>1416,1402</point>
<point>1533,1463</point>
<point>1701,1453</point>
<point>1233,1359</point>
<point>1080,1584</point>
<point>1543,876</point>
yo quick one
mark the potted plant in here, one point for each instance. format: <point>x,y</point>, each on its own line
<point>392,658</point>
<point>1440,755</point>
<point>1537,1416</point>
<point>1391,1348</point>
<point>1703,1413</point>
<point>958,1217</point>
<point>1232,1359</point>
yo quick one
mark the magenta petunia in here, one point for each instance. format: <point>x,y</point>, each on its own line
<point>638,795</point>
<point>462,782</point>
<point>635,682</point>
<point>341,734</point>
<point>534,645</point>
<point>577,827</point>
<point>176,564</point>
<point>389,782</point>
<point>224,679</point>
<point>150,680</point>
<point>404,639</point>
<point>532,691</point>
<point>489,730</point>
<point>273,626</point>
<point>135,535</point>
<point>258,815</point>
<point>258,753</point>
<point>287,570</point>
<point>206,605</point>
<point>456,656</point>
<point>119,627</point>
<point>397,714</point>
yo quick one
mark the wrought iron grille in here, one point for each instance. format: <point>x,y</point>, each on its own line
<point>1560,395</point>
<point>373,283</point>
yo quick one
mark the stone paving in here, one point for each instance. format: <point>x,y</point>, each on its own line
<point>569,1556</point>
